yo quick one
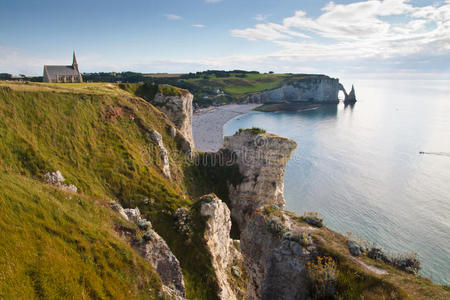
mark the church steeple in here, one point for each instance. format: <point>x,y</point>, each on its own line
<point>74,63</point>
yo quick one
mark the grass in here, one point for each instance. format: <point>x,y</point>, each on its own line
<point>237,86</point>
<point>99,141</point>
<point>148,91</point>
<point>57,245</point>
<point>253,130</point>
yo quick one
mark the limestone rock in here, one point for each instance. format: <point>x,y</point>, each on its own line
<point>117,207</point>
<point>57,179</point>
<point>220,245</point>
<point>354,248</point>
<point>276,264</point>
<point>157,253</point>
<point>261,159</point>
<point>172,131</point>
<point>317,88</point>
<point>133,214</point>
<point>179,110</point>
<point>157,138</point>
<point>155,250</point>
<point>54,178</point>
<point>351,97</point>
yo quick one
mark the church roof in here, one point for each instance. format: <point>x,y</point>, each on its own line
<point>53,71</point>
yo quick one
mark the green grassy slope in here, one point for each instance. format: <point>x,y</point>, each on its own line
<point>57,245</point>
<point>97,136</point>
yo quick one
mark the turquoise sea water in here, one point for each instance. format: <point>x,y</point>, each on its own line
<point>361,169</point>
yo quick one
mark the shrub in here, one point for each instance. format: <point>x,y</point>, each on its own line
<point>358,245</point>
<point>183,219</point>
<point>408,262</point>
<point>322,276</point>
<point>169,90</point>
<point>253,130</point>
<point>275,225</point>
<point>313,218</point>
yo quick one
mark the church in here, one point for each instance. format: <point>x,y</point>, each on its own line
<point>62,74</point>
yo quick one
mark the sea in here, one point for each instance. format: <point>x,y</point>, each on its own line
<point>379,169</point>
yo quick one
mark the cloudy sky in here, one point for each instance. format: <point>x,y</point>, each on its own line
<point>372,38</point>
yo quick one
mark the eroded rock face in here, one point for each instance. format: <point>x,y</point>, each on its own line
<point>220,245</point>
<point>155,250</point>
<point>179,110</point>
<point>157,138</point>
<point>276,260</point>
<point>261,159</point>
<point>315,89</point>
<point>351,97</point>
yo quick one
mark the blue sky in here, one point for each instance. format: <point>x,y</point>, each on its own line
<point>372,38</point>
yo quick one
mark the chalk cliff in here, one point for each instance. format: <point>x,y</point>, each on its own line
<point>178,109</point>
<point>226,258</point>
<point>262,159</point>
<point>318,88</point>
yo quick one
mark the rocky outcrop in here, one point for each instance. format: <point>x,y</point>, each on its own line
<point>152,247</point>
<point>261,159</point>
<point>178,109</point>
<point>57,179</point>
<point>157,138</point>
<point>351,97</point>
<point>276,251</point>
<point>317,88</point>
<point>275,246</point>
<point>225,257</point>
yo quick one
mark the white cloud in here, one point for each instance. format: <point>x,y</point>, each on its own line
<point>269,31</point>
<point>198,25</point>
<point>358,30</point>
<point>260,17</point>
<point>172,17</point>
<point>212,1</point>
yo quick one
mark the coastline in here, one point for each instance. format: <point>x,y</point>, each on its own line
<point>207,124</point>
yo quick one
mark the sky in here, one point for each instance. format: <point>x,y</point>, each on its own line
<point>360,39</point>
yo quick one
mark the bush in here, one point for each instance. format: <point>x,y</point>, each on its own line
<point>313,218</point>
<point>322,276</point>
<point>253,130</point>
<point>275,225</point>
<point>408,262</point>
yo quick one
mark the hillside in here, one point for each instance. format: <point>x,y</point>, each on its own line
<point>59,244</point>
<point>235,86</point>
<point>96,135</point>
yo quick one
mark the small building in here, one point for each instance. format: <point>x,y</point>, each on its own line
<point>62,74</point>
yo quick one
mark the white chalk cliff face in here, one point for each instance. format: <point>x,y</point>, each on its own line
<point>225,257</point>
<point>275,247</point>
<point>179,110</point>
<point>261,159</point>
<point>157,138</point>
<point>315,89</point>
<point>276,250</point>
